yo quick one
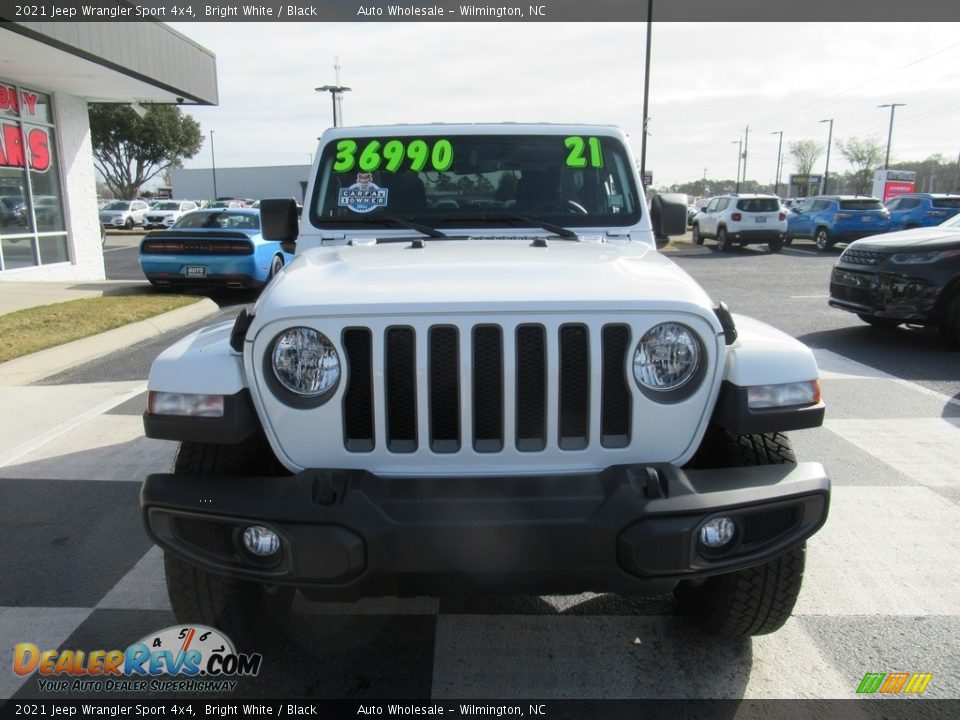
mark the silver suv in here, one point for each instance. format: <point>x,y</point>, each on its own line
<point>741,219</point>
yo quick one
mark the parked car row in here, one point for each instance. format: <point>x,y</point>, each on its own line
<point>741,219</point>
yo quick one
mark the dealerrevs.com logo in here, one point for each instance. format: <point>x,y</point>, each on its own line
<point>899,683</point>
<point>191,658</point>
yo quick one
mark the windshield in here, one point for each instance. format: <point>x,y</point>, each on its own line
<point>225,219</point>
<point>167,206</point>
<point>865,204</point>
<point>759,205</point>
<point>475,180</point>
<point>116,205</point>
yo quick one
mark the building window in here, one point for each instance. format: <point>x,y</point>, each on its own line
<point>33,227</point>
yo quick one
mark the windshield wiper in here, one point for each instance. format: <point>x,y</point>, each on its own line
<point>557,230</point>
<point>425,229</point>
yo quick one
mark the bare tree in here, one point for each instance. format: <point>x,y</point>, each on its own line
<point>865,155</point>
<point>805,154</point>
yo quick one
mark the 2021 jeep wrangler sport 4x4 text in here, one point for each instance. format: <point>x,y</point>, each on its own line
<point>479,374</point>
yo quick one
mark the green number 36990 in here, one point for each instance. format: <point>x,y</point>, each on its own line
<point>392,154</point>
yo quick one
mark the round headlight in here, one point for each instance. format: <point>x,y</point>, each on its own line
<point>305,362</point>
<point>667,357</point>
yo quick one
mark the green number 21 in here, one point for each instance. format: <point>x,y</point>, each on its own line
<point>576,146</point>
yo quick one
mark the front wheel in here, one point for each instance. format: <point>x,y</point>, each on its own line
<point>758,600</point>
<point>696,236</point>
<point>128,225</point>
<point>950,327</point>
<point>242,609</point>
<point>755,601</point>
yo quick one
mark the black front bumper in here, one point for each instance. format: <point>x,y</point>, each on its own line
<point>885,294</point>
<point>351,534</point>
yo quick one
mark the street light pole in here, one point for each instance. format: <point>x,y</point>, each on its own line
<point>739,143</point>
<point>826,170</point>
<point>892,106</point>
<point>335,91</point>
<point>646,95</point>
<point>213,162</point>
<point>746,138</point>
<point>776,189</point>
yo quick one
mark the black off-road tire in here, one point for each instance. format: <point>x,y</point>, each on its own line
<point>950,327</point>
<point>755,601</point>
<point>723,240</point>
<point>775,245</point>
<point>244,610</point>
<point>758,600</point>
<point>695,235</point>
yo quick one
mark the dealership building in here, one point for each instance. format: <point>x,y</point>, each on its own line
<point>49,72</point>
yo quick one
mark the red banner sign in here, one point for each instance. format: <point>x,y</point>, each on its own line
<point>17,147</point>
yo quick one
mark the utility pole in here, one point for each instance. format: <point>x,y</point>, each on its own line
<point>892,106</point>
<point>776,189</point>
<point>213,162</point>
<point>646,95</point>
<point>739,143</point>
<point>746,137</point>
<point>826,170</point>
<point>336,94</point>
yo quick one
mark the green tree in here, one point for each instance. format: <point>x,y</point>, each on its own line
<point>865,155</point>
<point>805,154</point>
<point>129,151</point>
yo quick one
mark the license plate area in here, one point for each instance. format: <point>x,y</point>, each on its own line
<point>196,271</point>
<point>761,219</point>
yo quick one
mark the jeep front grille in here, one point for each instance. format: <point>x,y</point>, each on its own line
<point>447,388</point>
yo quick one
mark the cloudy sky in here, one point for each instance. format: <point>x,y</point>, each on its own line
<point>708,82</point>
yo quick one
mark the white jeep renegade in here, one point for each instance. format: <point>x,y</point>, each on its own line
<point>479,374</point>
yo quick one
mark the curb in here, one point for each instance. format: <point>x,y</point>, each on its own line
<point>44,363</point>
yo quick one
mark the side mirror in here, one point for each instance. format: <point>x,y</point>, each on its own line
<point>279,221</point>
<point>668,215</point>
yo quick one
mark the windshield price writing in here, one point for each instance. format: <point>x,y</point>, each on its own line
<point>392,154</point>
<point>577,145</point>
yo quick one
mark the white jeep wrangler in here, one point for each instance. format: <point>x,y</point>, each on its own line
<point>479,374</point>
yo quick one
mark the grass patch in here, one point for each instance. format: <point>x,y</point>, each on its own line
<point>27,331</point>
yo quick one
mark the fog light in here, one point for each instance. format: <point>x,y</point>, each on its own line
<point>261,541</point>
<point>717,532</point>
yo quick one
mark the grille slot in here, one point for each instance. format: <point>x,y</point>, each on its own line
<point>763,526</point>
<point>358,433</point>
<point>400,373</point>
<point>531,388</point>
<point>574,387</point>
<point>213,537</point>
<point>615,399</point>
<point>862,257</point>
<point>487,388</point>
<point>444,389</point>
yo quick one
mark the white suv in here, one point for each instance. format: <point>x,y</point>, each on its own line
<point>123,213</point>
<point>166,212</point>
<point>742,219</point>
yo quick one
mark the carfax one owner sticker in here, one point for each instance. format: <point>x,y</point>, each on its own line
<point>193,658</point>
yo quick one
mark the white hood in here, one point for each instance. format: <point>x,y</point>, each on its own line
<point>479,275</point>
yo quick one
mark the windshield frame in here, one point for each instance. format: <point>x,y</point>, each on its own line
<point>543,146</point>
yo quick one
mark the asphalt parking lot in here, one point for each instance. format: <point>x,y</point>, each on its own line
<point>880,592</point>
